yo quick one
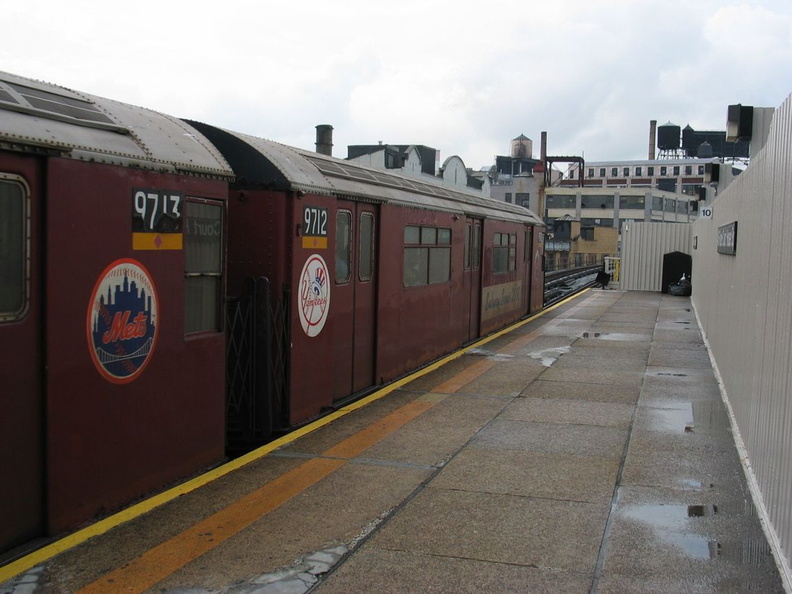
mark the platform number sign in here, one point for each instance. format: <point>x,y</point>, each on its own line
<point>314,227</point>
<point>705,212</point>
<point>156,219</point>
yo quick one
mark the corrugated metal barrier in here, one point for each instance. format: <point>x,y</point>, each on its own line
<point>742,294</point>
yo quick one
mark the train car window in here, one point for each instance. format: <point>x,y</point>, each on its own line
<point>343,257</point>
<point>416,261</point>
<point>203,263</point>
<point>476,247</point>
<point>513,251</point>
<point>365,269</point>
<point>14,245</point>
<point>428,235</point>
<point>439,265</point>
<point>412,234</point>
<point>468,243</point>
<point>427,255</point>
<point>504,252</point>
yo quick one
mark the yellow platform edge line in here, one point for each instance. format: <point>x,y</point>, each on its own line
<point>49,551</point>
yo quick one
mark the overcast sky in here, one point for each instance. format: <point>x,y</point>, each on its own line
<point>462,76</point>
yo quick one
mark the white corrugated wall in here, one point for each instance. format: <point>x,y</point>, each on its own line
<point>643,247</point>
<point>744,305</point>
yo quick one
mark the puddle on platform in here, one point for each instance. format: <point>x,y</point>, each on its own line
<point>702,417</point>
<point>549,356</point>
<point>670,523</point>
<point>620,336</point>
<point>490,355</point>
<point>671,420</point>
<point>673,524</point>
<point>696,485</point>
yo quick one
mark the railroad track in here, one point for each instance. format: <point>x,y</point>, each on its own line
<point>563,283</point>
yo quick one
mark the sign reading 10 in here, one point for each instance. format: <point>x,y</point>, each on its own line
<point>315,221</point>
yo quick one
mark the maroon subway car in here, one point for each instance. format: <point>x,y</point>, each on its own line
<point>112,270</point>
<point>377,273</point>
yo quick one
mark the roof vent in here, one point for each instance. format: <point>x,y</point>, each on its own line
<point>324,139</point>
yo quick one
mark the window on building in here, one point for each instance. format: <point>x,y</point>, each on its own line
<point>509,197</point>
<point>657,203</point>
<point>596,222</point>
<point>203,264</point>
<point>587,233</point>
<point>650,171</point>
<point>663,170</point>
<point>670,205</point>
<point>366,267</point>
<point>504,252</point>
<point>638,171</point>
<point>522,198</point>
<point>343,251</point>
<point>427,255</point>
<point>591,172</point>
<point>701,169</point>
<point>676,169</point>
<point>626,172</point>
<point>596,201</point>
<point>688,169</point>
<point>631,202</point>
<point>602,172</point>
<point>614,171</point>
<point>13,250</point>
<point>560,201</point>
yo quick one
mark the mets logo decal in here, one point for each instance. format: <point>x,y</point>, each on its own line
<point>122,321</point>
<point>314,295</point>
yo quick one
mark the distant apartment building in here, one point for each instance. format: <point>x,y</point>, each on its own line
<point>683,176</point>
<point>611,207</point>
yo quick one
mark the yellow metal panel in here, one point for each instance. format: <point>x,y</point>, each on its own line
<point>157,241</point>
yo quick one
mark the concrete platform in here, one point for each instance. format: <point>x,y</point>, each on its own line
<point>587,450</point>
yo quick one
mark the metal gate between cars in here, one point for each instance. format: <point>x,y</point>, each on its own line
<point>256,359</point>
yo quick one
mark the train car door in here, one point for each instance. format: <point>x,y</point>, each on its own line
<point>353,305</point>
<point>472,269</point>
<point>527,279</point>
<point>21,382</point>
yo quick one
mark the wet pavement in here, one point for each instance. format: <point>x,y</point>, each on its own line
<point>587,450</point>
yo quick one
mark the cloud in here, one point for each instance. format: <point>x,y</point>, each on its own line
<point>464,76</point>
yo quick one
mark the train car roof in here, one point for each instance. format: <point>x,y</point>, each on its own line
<point>263,163</point>
<point>45,118</point>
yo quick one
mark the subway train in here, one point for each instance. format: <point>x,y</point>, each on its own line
<point>171,291</point>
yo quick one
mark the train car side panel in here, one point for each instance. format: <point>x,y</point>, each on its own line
<point>423,311</point>
<point>21,396</point>
<point>504,281</point>
<point>258,239</point>
<point>537,270</point>
<point>134,396</point>
<point>312,305</point>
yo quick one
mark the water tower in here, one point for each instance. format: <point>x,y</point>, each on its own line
<point>522,147</point>
<point>668,138</point>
